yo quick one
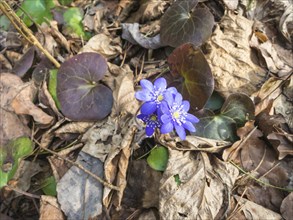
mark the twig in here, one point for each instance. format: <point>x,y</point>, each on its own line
<point>23,192</point>
<point>258,180</point>
<point>25,31</point>
<point>109,185</point>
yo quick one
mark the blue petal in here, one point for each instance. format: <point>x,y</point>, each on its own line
<point>165,108</point>
<point>191,118</point>
<point>143,95</point>
<point>189,126</point>
<point>169,98</point>
<point>186,105</point>
<point>165,118</point>
<point>160,83</point>
<point>146,84</point>
<point>180,131</point>
<point>172,90</point>
<point>148,108</point>
<point>142,117</point>
<point>149,130</point>
<point>166,128</point>
<point>178,98</point>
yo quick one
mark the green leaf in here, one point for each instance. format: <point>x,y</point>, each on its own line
<point>10,156</point>
<point>215,102</point>
<point>239,107</point>
<point>73,19</point>
<point>53,86</point>
<point>4,23</point>
<point>217,127</point>
<point>183,22</point>
<point>39,11</point>
<point>177,179</point>
<point>158,158</point>
<point>49,186</point>
<point>198,83</point>
<point>65,2</point>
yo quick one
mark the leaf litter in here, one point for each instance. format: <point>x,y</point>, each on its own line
<point>236,165</point>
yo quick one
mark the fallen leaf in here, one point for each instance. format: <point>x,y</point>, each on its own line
<point>131,33</point>
<point>286,207</point>
<point>148,11</point>
<point>205,180</point>
<point>24,64</point>
<point>232,5</point>
<point>11,125</point>
<point>73,127</point>
<point>80,195</point>
<point>284,107</point>
<point>22,104</point>
<point>281,143</point>
<point>103,44</point>
<point>252,210</point>
<point>274,63</point>
<point>50,209</point>
<point>230,57</point>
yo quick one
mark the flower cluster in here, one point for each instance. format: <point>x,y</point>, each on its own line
<point>164,108</point>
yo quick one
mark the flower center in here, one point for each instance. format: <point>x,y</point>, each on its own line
<point>153,118</point>
<point>176,114</point>
<point>160,98</point>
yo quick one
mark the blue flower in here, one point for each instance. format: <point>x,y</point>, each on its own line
<point>153,95</point>
<point>152,122</point>
<point>175,115</point>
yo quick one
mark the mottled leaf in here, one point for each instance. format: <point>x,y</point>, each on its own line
<point>158,158</point>
<point>10,156</point>
<point>81,94</point>
<point>239,107</point>
<point>217,127</point>
<point>184,22</point>
<point>189,62</point>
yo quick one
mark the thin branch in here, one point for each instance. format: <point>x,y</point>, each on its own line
<point>109,185</point>
<point>25,31</point>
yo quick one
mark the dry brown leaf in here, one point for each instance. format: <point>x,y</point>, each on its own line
<point>230,57</point>
<point>4,64</point>
<point>124,98</point>
<point>103,44</point>
<point>93,19</point>
<point>206,183</point>
<point>284,107</point>
<point>253,211</point>
<point>59,36</point>
<point>46,38</point>
<point>74,127</point>
<point>148,10</point>
<point>22,104</point>
<point>286,207</point>
<point>11,125</point>
<point>282,144</point>
<point>274,63</point>
<point>50,209</point>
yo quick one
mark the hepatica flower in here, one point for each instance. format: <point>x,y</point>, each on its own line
<point>164,108</point>
<point>175,115</point>
<point>153,95</point>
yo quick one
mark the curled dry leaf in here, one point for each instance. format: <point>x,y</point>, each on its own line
<point>252,210</point>
<point>274,63</point>
<point>50,209</point>
<point>194,143</point>
<point>23,104</point>
<point>282,144</point>
<point>105,45</point>
<point>131,33</point>
<point>148,10</point>
<point>230,55</point>
<point>286,207</point>
<point>204,181</point>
